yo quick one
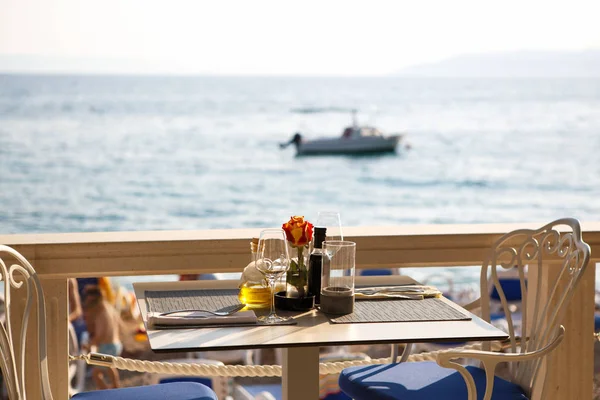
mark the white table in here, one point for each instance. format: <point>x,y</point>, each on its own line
<point>301,342</point>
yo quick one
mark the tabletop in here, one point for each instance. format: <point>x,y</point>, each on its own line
<point>313,328</point>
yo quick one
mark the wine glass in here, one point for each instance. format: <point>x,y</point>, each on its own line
<point>332,221</point>
<point>272,260</point>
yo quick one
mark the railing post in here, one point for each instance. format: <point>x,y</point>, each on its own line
<point>570,367</point>
<point>56,293</point>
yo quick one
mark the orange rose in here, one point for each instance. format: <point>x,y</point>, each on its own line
<point>298,231</point>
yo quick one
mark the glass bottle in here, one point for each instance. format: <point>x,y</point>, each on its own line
<point>254,289</point>
<point>314,264</point>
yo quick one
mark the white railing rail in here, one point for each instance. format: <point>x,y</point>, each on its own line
<point>57,257</point>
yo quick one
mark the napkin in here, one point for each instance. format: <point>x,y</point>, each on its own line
<point>201,318</point>
<point>410,292</point>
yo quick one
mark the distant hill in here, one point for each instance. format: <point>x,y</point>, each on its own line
<point>508,64</point>
<point>513,64</point>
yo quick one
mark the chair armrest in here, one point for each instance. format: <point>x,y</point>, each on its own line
<point>475,304</point>
<point>490,360</point>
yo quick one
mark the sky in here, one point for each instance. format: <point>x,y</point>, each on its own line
<point>248,37</point>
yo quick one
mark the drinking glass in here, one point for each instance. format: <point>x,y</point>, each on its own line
<point>272,260</point>
<point>337,280</point>
<point>332,221</point>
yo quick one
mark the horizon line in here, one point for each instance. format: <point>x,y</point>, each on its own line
<point>252,75</point>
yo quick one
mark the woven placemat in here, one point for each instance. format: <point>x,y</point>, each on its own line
<point>211,299</point>
<point>432,309</point>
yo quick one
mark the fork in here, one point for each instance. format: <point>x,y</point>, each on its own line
<point>217,313</point>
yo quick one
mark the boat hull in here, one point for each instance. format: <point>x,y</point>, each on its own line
<point>363,145</point>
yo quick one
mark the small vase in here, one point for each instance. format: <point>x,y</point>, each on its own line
<point>300,291</point>
<point>296,296</point>
<point>297,277</point>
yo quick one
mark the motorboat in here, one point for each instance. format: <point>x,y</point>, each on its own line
<point>355,139</point>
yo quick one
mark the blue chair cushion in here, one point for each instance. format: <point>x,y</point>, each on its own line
<point>171,391</point>
<point>420,380</point>
<point>337,396</point>
<point>375,272</point>
<point>596,323</point>
<point>205,381</point>
<point>511,288</point>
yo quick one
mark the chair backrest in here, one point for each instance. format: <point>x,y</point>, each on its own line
<point>545,291</point>
<point>18,274</point>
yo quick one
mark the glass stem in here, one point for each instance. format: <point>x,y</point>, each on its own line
<point>272,286</point>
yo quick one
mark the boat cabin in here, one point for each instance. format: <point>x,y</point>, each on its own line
<point>359,131</point>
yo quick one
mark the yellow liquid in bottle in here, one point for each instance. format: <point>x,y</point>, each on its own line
<point>255,296</point>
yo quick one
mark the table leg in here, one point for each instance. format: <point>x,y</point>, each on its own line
<point>301,373</point>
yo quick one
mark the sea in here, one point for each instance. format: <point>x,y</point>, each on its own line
<point>135,153</point>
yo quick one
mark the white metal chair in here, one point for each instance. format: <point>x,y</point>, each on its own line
<point>17,273</point>
<point>509,282</point>
<point>540,316</point>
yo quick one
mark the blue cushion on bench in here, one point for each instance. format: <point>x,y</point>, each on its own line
<point>171,391</point>
<point>419,380</point>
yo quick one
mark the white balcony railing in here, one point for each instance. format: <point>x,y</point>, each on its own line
<point>57,257</point>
